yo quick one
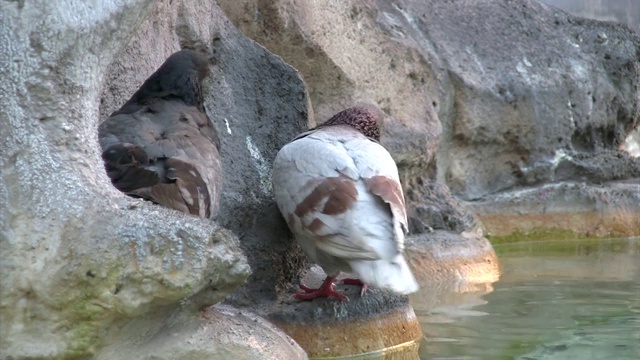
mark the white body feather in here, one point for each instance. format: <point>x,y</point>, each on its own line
<point>366,238</point>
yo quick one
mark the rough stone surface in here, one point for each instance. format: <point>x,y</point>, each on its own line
<point>360,336</point>
<point>433,207</point>
<point>80,259</point>
<point>346,56</point>
<point>624,11</point>
<point>256,102</point>
<point>533,105</point>
<point>320,310</point>
<point>530,85</point>
<point>564,210</point>
<point>533,97</point>
<point>77,254</point>
<point>447,257</point>
<point>326,327</point>
<point>220,332</point>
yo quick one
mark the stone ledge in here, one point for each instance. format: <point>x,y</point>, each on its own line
<point>380,322</point>
<point>562,211</point>
<point>374,334</point>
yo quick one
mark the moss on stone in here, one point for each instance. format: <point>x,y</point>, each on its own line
<point>538,234</point>
<point>583,246</point>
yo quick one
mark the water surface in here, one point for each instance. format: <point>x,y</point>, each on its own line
<point>554,300</point>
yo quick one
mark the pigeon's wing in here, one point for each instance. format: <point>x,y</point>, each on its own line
<point>379,173</point>
<point>316,186</point>
<point>182,189</point>
<point>182,170</point>
<point>381,218</point>
<point>128,168</point>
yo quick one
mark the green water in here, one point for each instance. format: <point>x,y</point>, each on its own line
<point>554,300</point>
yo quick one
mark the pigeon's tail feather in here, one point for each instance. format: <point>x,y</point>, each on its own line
<point>394,275</point>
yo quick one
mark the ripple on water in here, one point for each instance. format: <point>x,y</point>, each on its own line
<point>578,304</point>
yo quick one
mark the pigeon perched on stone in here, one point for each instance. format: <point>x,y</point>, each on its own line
<point>339,191</point>
<point>161,146</point>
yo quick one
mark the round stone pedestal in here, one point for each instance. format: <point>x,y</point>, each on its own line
<point>378,323</point>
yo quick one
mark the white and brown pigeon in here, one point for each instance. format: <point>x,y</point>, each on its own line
<point>161,145</point>
<point>339,191</point>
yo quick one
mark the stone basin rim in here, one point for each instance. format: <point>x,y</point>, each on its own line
<point>384,351</point>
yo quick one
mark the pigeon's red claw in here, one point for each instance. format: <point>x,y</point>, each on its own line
<point>339,191</point>
<point>351,281</point>
<point>327,289</point>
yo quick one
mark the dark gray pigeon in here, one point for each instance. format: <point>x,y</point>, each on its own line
<point>161,146</point>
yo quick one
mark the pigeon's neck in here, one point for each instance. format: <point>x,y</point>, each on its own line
<point>360,119</point>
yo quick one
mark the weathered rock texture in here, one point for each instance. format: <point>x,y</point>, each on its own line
<point>219,332</point>
<point>624,11</point>
<point>257,104</point>
<point>335,329</point>
<point>524,94</point>
<point>444,258</point>
<point>80,260</point>
<point>346,56</point>
<point>533,90</point>
<point>492,99</point>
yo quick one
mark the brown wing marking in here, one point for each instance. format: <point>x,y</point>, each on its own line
<point>332,196</point>
<point>337,194</point>
<point>390,191</point>
<point>183,189</point>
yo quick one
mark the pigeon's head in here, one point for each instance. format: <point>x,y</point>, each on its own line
<point>365,118</point>
<point>186,62</point>
<point>179,78</point>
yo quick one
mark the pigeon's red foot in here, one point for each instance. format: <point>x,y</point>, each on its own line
<point>352,281</point>
<point>325,290</point>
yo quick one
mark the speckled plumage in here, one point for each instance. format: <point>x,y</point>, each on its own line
<point>366,119</point>
<point>161,146</point>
